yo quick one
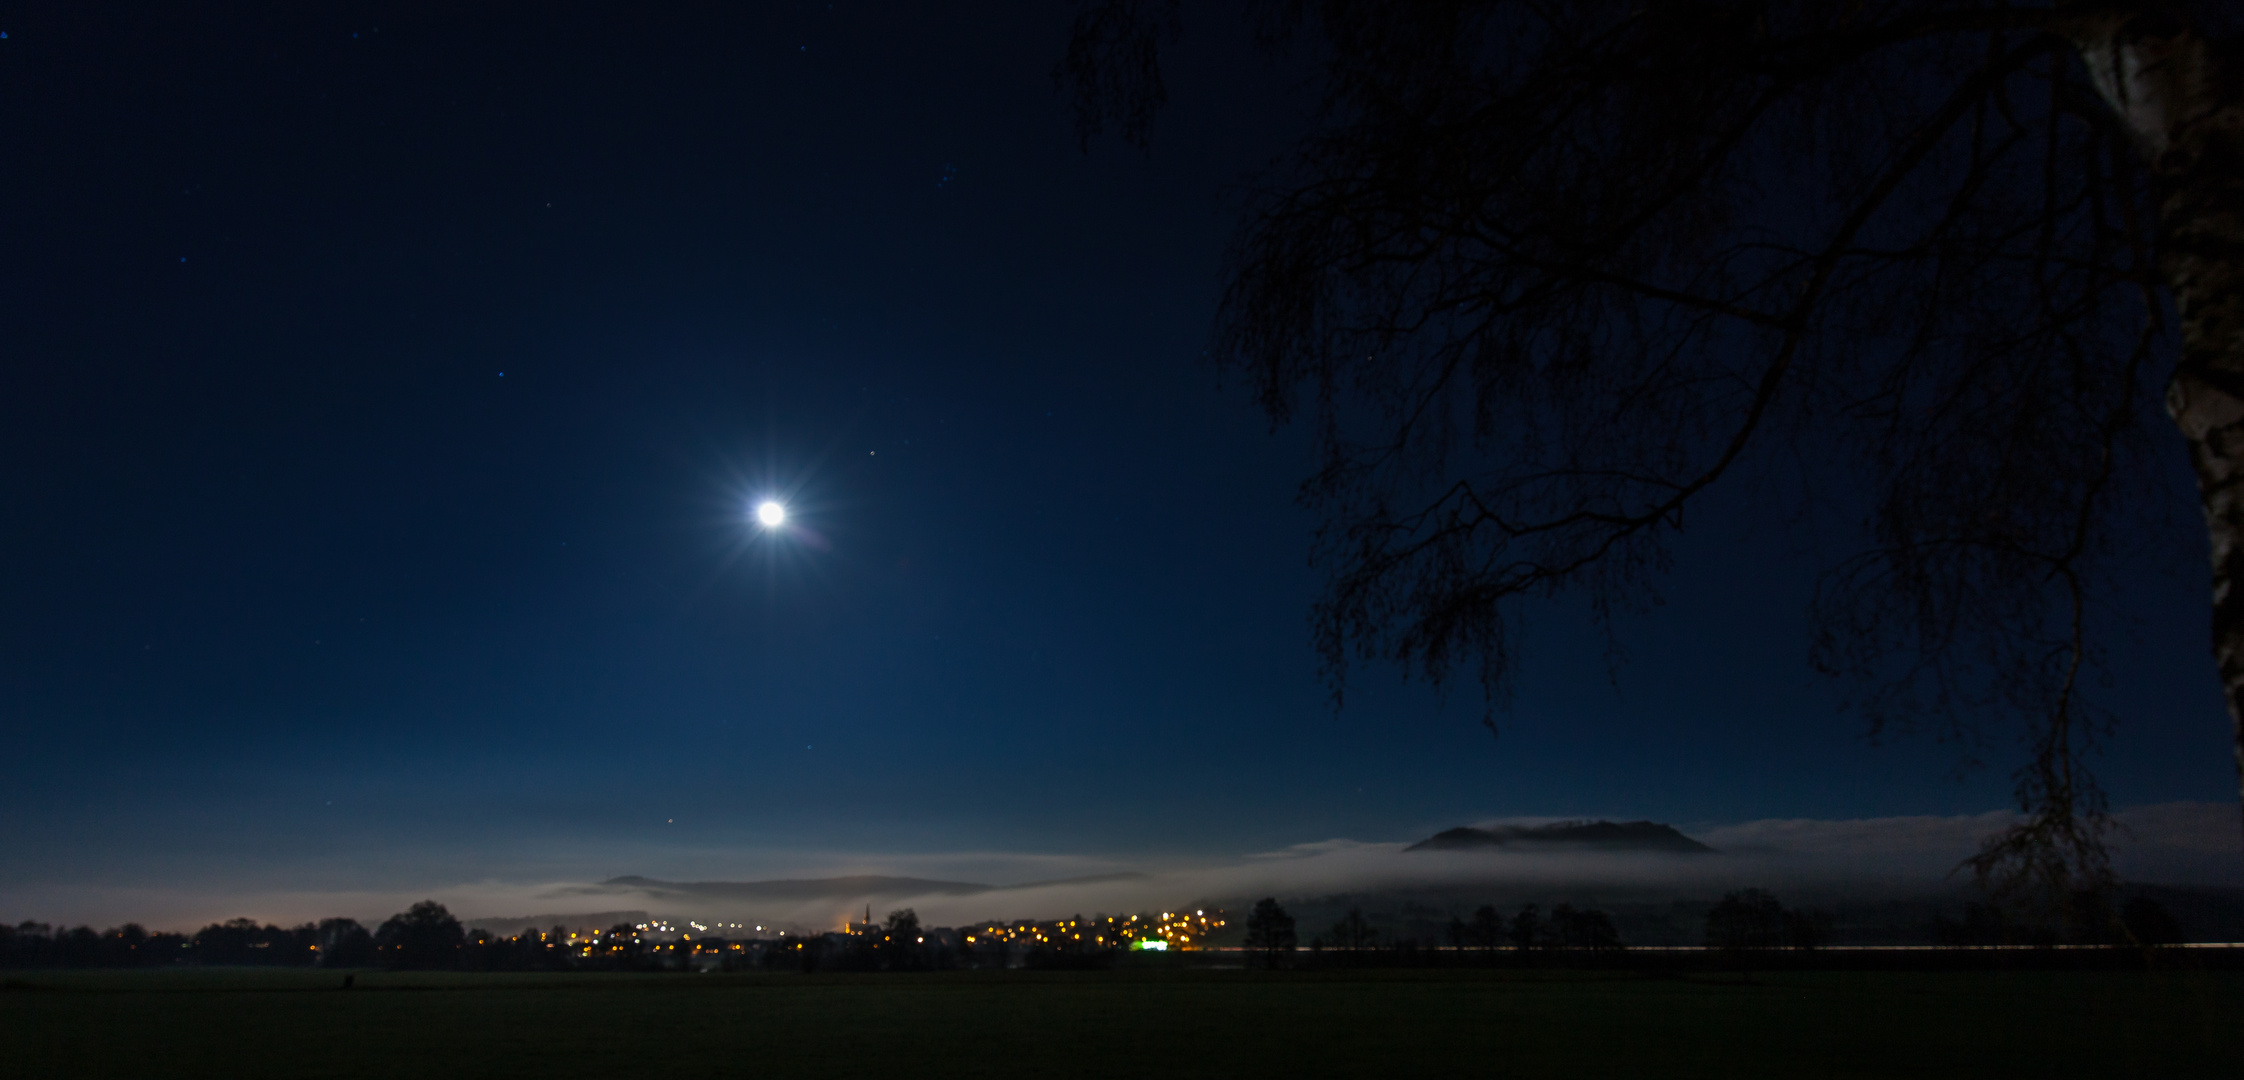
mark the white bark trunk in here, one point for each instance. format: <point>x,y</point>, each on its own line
<point>2165,81</point>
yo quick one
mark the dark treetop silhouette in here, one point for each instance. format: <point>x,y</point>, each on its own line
<point>1544,274</point>
<point>1270,931</point>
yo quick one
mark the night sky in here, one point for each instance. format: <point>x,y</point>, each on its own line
<point>384,395</point>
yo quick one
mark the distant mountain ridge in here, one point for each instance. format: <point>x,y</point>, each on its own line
<point>1590,835</point>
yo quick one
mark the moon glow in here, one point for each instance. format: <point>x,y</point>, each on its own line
<point>771,514</point>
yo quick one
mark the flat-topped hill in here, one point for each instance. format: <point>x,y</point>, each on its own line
<point>1589,835</point>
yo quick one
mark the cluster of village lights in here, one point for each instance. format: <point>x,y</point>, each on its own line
<point>1173,929</point>
<point>1170,930</point>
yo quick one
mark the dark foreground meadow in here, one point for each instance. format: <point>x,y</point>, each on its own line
<point>244,1023</point>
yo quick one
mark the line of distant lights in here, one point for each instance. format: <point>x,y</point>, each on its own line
<point>1138,932</point>
<point>1172,929</point>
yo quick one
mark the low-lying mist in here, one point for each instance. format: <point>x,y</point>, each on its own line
<point>1803,859</point>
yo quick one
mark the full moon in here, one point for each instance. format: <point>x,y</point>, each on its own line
<point>771,514</point>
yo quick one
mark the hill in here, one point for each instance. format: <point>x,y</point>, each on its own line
<point>1588,835</point>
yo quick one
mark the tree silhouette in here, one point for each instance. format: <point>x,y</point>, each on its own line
<point>343,943</point>
<point>1354,934</point>
<point>1488,928</point>
<point>422,937</point>
<point>1748,919</point>
<point>127,946</point>
<point>899,947</point>
<point>1982,925</point>
<point>245,941</point>
<point>2089,918</point>
<point>1583,929</point>
<point>1526,929</point>
<point>80,947</point>
<point>1270,931</point>
<point>2148,923</point>
<point>1544,275</point>
<point>1807,929</point>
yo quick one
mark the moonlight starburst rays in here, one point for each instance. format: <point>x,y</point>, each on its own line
<point>767,526</point>
<point>774,518</point>
<point>775,514</point>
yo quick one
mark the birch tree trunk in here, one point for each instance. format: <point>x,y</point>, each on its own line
<point>2187,116</point>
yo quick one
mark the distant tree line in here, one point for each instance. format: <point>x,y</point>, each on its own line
<point>1529,929</point>
<point>1742,923</point>
<point>2088,917</point>
<point>1754,919</point>
<point>1273,939</point>
<point>417,937</point>
<point>428,937</point>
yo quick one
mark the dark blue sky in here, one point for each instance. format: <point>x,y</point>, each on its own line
<point>382,393</point>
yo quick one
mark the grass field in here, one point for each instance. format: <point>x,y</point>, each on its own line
<point>246,1023</point>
